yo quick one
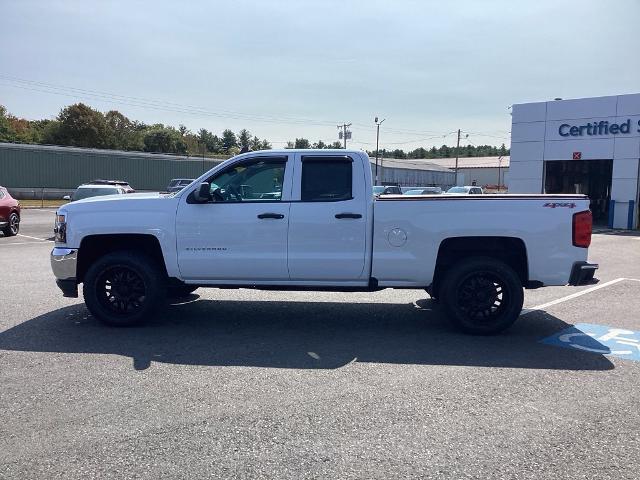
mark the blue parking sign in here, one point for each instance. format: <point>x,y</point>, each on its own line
<point>619,342</point>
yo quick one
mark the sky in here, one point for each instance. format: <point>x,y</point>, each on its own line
<point>290,69</point>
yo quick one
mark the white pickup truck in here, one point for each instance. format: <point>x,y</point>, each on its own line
<point>308,219</point>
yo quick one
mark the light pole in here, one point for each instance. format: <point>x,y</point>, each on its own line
<point>377,143</point>
<point>457,150</point>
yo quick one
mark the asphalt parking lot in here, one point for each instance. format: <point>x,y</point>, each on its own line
<point>241,383</point>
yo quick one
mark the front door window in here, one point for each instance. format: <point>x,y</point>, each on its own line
<point>251,181</point>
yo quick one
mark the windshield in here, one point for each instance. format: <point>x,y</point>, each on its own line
<point>81,193</point>
<point>377,190</point>
<point>413,192</point>
<point>457,190</point>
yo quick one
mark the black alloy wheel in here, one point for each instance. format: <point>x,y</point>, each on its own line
<point>121,290</point>
<point>124,288</point>
<point>482,295</point>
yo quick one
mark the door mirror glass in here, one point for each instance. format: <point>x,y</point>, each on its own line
<point>202,193</point>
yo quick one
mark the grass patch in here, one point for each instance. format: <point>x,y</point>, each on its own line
<point>42,203</point>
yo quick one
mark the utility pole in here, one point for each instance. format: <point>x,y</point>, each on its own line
<point>203,148</point>
<point>344,134</point>
<point>377,143</point>
<point>457,150</point>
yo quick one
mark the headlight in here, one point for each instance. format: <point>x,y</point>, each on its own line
<point>60,228</point>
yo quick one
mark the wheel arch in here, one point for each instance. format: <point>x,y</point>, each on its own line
<point>510,250</point>
<point>93,247</point>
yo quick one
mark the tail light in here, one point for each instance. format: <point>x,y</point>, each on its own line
<point>582,223</point>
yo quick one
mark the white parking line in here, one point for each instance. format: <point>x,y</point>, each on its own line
<point>35,238</point>
<point>526,311</point>
<point>22,243</point>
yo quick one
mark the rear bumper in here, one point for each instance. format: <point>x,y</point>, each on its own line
<point>582,273</point>
<point>63,263</point>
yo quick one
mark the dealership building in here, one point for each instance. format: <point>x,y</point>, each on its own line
<point>589,146</point>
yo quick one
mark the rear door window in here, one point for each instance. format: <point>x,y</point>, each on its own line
<point>327,179</point>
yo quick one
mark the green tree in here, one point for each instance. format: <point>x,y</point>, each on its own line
<point>121,132</point>
<point>39,129</point>
<point>6,132</point>
<point>81,126</point>
<point>445,152</point>
<point>244,138</point>
<point>319,144</point>
<point>265,145</point>
<point>335,145</point>
<point>418,153</point>
<point>161,139</point>
<point>229,140</point>
<point>256,144</point>
<point>302,143</point>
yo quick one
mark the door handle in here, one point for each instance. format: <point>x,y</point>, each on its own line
<point>277,216</point>
<point>348,215</point>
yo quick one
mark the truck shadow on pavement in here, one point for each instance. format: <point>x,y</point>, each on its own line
<point>303,335</point>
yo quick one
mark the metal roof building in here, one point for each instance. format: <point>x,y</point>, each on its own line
<point>411,173</point>
<point>53,167</point>
<point>47,166</point>
<point>481,170</point>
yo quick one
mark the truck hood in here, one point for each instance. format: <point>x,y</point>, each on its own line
<point>118,198</point>
<point>128,202</point>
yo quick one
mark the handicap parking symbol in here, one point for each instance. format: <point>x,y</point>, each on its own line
<point>602,339</point>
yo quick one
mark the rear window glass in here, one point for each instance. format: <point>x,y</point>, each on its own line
<point>326,179</point>
<point>93,192</point>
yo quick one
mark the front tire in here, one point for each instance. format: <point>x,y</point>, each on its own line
<point>482,295</point>
<point>124,288</point>
<point>13,225</point>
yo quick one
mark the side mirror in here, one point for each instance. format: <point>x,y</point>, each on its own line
<point>203,193</point>
<point>67,197</point>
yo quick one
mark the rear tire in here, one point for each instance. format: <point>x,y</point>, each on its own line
<point>482,295</point>
<point>124,288</point>
<point>13,226</point>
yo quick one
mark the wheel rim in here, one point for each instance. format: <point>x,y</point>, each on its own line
<point>121,290</point>
<point>14,224</point>
<point>483,297</point>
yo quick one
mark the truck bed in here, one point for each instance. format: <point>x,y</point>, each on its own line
<point>409,231</point>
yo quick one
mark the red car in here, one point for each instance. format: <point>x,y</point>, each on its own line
<point>9,214</point>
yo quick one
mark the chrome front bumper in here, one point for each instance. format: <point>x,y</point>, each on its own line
<point>63,263</point>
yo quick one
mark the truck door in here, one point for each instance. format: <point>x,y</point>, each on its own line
<point>241,233</point>
<point>328,219</point>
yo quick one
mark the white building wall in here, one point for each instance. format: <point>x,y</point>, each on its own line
<point>484,175</point>
<point>535,138</point>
